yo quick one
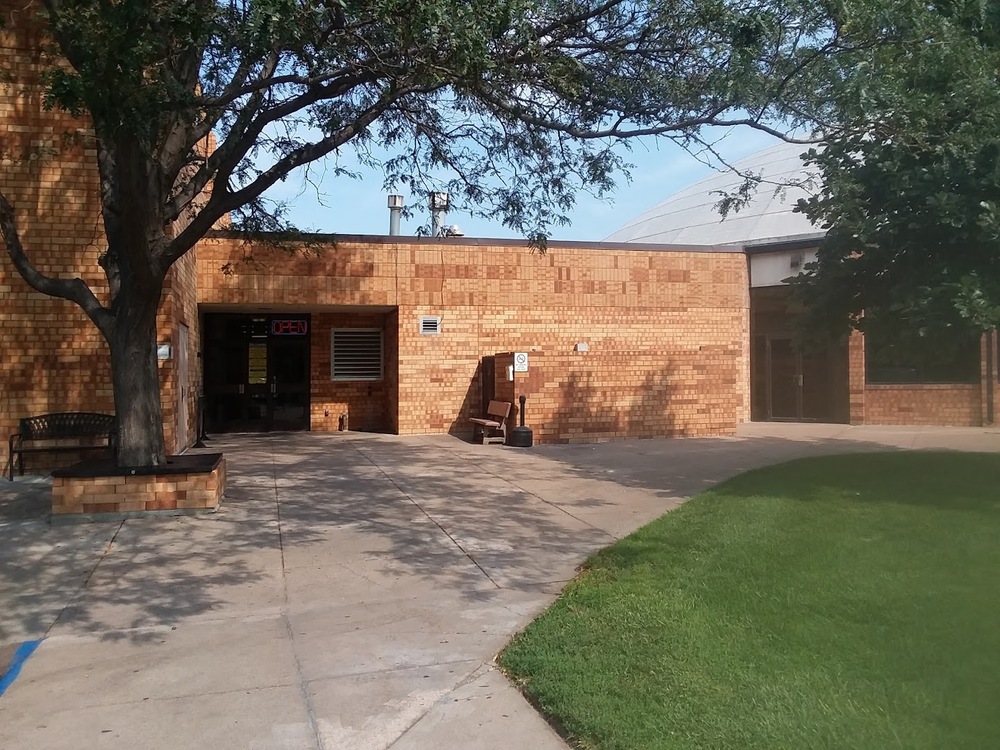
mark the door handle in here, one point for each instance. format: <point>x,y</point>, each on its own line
<point>241,388</point>
<point>274,388</point>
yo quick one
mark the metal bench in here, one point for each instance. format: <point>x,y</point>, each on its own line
<point>494,422</point>
<point>61,432</point>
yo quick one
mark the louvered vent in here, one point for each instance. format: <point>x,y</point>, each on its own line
<point>430,324</point>
<point>357,354</point>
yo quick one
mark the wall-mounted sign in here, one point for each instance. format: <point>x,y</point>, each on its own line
<point>520,362</point>
<point>257,366</point>
<point>280,327</point>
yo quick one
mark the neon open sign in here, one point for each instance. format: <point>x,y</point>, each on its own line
<point>289,327</point>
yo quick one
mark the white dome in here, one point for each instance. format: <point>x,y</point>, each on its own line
<point>690,217</point>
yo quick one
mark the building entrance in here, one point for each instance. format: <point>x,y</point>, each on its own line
<point>256,372</point>
<point>790,383</point>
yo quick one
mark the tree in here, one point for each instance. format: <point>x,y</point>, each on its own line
<point>911,180</point>
<point>518,101</point>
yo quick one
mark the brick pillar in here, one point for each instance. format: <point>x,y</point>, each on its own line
<point>856,376</point>
<point>989,387</point>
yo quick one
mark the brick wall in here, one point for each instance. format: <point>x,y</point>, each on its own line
<point>52,358</point>
<point>367,403</point>
<point>586,396</point>
<point>667,329</point>
<point>856,377</point>
<point>954,405</point>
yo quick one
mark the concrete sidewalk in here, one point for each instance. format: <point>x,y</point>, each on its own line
<point>351,593</point>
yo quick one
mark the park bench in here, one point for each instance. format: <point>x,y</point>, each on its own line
<point>494,422</point>
<point>65,431</point>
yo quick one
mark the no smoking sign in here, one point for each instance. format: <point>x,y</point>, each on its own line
<point>520,362</point>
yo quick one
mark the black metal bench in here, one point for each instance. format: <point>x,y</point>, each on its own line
<point>57,433</point>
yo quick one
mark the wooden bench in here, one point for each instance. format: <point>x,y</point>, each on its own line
<point>64,431</point>
<point>494,422</point>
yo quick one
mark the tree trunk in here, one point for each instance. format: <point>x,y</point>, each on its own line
<point>136,381</point>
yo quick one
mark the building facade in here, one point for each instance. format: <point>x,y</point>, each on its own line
<point>413,335</point>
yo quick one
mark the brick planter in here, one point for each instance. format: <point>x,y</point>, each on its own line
<point>187,483</point>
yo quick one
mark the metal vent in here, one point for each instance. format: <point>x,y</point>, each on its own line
<point>356,354</point>
<point>430,324</point>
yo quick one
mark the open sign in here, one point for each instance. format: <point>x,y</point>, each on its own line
<point>289,327</point>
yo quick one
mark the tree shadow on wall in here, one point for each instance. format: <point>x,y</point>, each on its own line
<point>472,405</point>
<point>590,408</point>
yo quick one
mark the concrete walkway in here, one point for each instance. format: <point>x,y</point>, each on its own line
<point>351,593</point>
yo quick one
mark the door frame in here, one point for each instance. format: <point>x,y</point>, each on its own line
<point>183,386</point>
<point>246,392</point>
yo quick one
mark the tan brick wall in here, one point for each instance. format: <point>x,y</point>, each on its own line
<point>52,358</point>
<point>955,405</point>
<point>949,405</point>
<point>365,402</point>
<point>668,330</point>
<point>126,494</point>
<point>856,377</point>
<point>586,396</point>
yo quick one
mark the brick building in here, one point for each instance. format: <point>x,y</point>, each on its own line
<point>411,335</point>
<point>858,381</point>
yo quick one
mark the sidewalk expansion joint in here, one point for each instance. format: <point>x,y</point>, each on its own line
<point>431,518</point>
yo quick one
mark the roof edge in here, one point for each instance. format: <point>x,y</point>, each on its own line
<point>384,239</point>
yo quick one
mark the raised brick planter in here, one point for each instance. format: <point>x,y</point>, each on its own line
<point>187,483</point>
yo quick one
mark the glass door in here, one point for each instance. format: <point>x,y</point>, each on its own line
<point>256,373</point>
<point>785,364</point>
<point>288,376</point>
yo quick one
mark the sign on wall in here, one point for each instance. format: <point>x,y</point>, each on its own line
<point>520,361</point>
<point>283,327</point>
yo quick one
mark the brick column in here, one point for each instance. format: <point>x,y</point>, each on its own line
<point>856,376</point>
<point>989,386</point>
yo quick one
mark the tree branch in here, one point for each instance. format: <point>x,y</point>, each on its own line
<point>223,201</point>
<point>220,164</point>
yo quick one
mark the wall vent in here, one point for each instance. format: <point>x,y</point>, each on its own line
<point>430,325</point>
<point>356,354</point>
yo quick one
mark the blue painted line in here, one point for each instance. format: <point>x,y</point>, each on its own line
<point>25,650</point>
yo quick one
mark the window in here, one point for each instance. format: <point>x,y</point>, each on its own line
<point>901,356</point>
<point>430,324</point>
<point>356,354</point>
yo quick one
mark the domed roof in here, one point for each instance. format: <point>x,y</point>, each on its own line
<point>690,217</point>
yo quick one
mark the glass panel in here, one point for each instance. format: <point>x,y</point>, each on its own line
<point>758,399</point>
<point>784,380</point>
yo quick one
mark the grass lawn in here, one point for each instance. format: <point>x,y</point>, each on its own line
<point>837,602</point>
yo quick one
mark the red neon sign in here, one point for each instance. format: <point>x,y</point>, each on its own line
<point>289,327</point>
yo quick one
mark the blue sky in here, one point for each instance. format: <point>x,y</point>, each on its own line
<point>325,203</point>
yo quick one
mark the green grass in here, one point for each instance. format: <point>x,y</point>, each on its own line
<point>836,602</point>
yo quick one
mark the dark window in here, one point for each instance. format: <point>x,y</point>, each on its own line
<point>948,356</point>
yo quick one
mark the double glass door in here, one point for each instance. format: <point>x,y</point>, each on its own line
<point>792,385</point>
<point>256,372</point>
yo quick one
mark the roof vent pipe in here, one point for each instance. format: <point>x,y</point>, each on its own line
<point>439,210</point>
<point>395,210</point>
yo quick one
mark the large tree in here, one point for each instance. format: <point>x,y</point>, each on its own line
<point>910,183</point>
<point>517,102</point>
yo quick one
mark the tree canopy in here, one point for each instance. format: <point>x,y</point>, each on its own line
<point>910,182</point>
